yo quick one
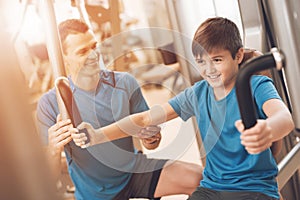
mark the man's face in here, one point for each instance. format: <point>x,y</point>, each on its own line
<point>219,68</point>
<point>82,55</point>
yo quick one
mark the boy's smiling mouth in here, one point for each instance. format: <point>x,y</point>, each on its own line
<point>213,76</point>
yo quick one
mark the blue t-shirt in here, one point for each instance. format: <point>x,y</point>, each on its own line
<point>229,167</point>
<point>100,171</point>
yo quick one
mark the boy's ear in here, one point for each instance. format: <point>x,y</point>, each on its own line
<point>240,55</point>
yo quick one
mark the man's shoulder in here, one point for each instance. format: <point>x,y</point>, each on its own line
<point>124,75</point>
<point>49,96</point>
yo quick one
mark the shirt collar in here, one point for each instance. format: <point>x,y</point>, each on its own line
<point>106,77</point>
<point>72,86</point>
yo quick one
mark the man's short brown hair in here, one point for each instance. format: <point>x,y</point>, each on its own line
<point>71,26</point>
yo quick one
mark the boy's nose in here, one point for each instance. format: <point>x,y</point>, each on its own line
<point>210,68</point>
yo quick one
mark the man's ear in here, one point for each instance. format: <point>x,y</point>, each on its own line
<point>240,55</point>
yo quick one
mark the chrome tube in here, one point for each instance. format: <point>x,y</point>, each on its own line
<point>288,166</point>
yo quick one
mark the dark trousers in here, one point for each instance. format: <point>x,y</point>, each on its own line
<point>209,194</point>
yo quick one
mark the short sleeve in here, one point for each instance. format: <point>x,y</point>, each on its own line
<point>263,90</point>
<point>136,100</point>
<point>45,117</point>
<point>184,103</point>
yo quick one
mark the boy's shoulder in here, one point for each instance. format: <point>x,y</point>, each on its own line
<point>200,85</point>
<point>259,79</point>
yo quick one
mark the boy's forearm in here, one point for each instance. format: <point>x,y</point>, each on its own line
<point>281,125</point>
<point>112,132</point>
<point>128,126</point>
<point>132,124</point>
<point>279,119</point>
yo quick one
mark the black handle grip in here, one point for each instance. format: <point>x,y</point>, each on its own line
<point>70,104</point>
<point>66,95</point>
<point>243,88</point>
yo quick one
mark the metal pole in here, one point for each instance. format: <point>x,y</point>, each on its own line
<point>286,27</point>
<point>54,49</point>
<point>52,38</point>
<point>80,4</point>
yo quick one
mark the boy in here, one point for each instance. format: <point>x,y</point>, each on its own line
<point>239,163</point>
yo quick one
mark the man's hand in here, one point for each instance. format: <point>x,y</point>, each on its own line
<point>59,135</point>
<point>150,136</point>
<point>255,139</point>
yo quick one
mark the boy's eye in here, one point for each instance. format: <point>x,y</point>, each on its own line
<point>217,60</point>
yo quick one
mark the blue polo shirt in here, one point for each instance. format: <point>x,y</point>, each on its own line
<point>103,170</point>
<point>229,167</point>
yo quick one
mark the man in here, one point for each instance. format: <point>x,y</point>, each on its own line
<point>111,170</point>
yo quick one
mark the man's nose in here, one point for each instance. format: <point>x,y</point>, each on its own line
<point>93,55</point>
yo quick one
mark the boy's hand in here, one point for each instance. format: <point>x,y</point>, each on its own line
<point>255,139</point>
<point>59,135</point>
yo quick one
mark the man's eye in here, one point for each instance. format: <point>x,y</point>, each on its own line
<point>82,52</point>
<point>201,62</point>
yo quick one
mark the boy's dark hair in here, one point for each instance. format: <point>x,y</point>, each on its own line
<point>71,26</point>
<point>216,33</point>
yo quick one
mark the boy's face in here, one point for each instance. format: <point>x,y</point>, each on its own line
<point>82,55</point>
<point>219,69</point>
